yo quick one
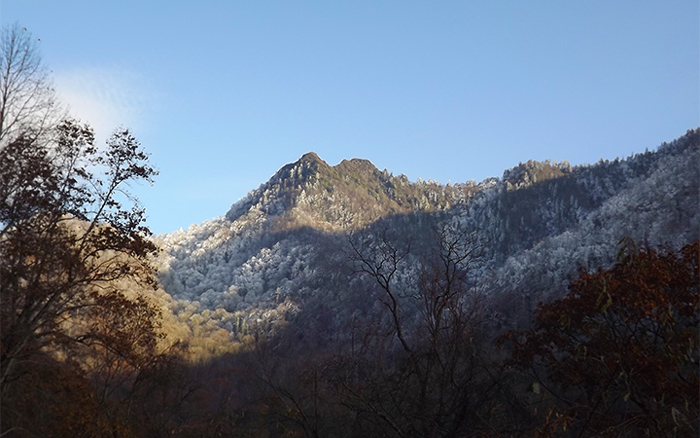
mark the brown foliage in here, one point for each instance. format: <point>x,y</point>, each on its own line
<point>69,248</point>
<point>73,262</point>
<point>620,351</point>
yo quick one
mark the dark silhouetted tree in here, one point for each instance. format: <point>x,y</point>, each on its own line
<point>426,371</point>
<point>74,253</point>
<point>618,356</point>
<point>73,258</point>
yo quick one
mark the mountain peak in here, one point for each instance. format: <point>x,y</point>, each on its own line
<point>306,168</point>
<point>357,165</point>
<point>351,194</point>
<point>310,157</point>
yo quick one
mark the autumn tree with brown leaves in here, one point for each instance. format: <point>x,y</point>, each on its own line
<point>618,356</point>
<point>74,256</point>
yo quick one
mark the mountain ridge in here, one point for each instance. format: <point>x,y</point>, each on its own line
<point>349,195</point>
<point>279,254</point>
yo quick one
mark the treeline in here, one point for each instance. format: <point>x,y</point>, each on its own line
<point>617,356</point>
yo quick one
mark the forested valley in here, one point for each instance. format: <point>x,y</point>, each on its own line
<point>341,301</point>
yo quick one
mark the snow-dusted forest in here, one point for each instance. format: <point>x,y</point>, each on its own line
<point>284,247</point>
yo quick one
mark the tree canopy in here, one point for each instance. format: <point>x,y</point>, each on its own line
<point>74,251</point>
<point>618,356</point>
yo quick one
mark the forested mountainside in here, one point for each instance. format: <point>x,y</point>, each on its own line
<point>342,301</point>
<point>284,253</point>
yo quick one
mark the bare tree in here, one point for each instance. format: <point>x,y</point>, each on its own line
<point>439,381</point>
<point>28,104</point>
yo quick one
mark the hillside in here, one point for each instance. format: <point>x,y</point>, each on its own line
<point>281,253</point>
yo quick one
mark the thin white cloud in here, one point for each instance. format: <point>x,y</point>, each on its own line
<point>105,98</point>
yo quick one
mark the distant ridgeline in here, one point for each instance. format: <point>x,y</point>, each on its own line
<point>281,253</point>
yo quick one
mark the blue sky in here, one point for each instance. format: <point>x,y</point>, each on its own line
<point>224,93</point>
